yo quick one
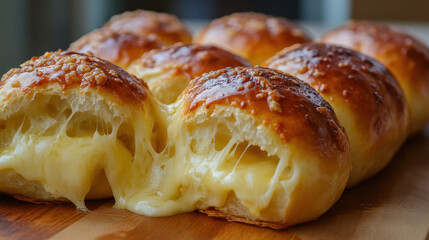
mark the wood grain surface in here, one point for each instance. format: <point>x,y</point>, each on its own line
<point>392,205</point>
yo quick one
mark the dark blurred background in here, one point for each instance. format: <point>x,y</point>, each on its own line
<point>32,27</point>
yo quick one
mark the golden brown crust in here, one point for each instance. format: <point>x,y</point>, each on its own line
<point>212,212</point>
<point>392,48</point>
<point>70,69</point>
<point>365,85</point>
<point>365,95</point>
<point>253,36</point>
<point>291,108</point>
<point>405,56</point>
<point>163,27</point>
<point>118,48</point>
<point>191,60</point>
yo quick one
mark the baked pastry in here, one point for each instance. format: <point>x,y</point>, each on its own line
<point>264,147</point>
<point>253,36</point>
<point>405,56</point>
<point>364,94</point>
<point>249,144</point>
<point>167,71</point>
<point>67,121</point>
<point>163,27</point>
<point>118,48</point>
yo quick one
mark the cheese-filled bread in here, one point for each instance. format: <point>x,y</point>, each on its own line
<point>67,121</point>
<point>364,94</point>
<point>404,55</point>
<point>259,147</point>
<point>253,36</point>
<point>248,144</point>
<point>167,71</point>
<point>120,48</point>
<point>163,27</point>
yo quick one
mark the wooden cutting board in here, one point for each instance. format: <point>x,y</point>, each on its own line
<point>392,205</point>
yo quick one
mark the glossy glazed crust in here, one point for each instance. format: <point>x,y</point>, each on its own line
<point>191,60</point>
<point>70,69</point>
<point>291,108</point>
<point>392,48</point>
<point>118,48</point>
<point>367,87</point>
<point>405,56</point>
<point>163,27</point>
<point>253,36</point>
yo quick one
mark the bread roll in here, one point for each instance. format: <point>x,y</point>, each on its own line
<point>167,71</point>
<point>264,147</point>
<point>253,36</point>
<point>364,94</point>
<point>118,48</point>
<point>248,144</point>
<point>405,56</point>
<point>67,121</point>
<point>163,27</point>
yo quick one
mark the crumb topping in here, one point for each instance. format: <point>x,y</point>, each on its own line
<point>69,68</point>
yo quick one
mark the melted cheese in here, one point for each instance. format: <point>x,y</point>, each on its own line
<point>188,173</point>
<point>198,174</point>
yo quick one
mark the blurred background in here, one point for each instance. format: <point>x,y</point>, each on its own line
<point>32,27</point>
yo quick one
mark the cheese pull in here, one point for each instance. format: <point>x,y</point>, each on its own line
<point>71,126</point>
<point>248,144</point>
